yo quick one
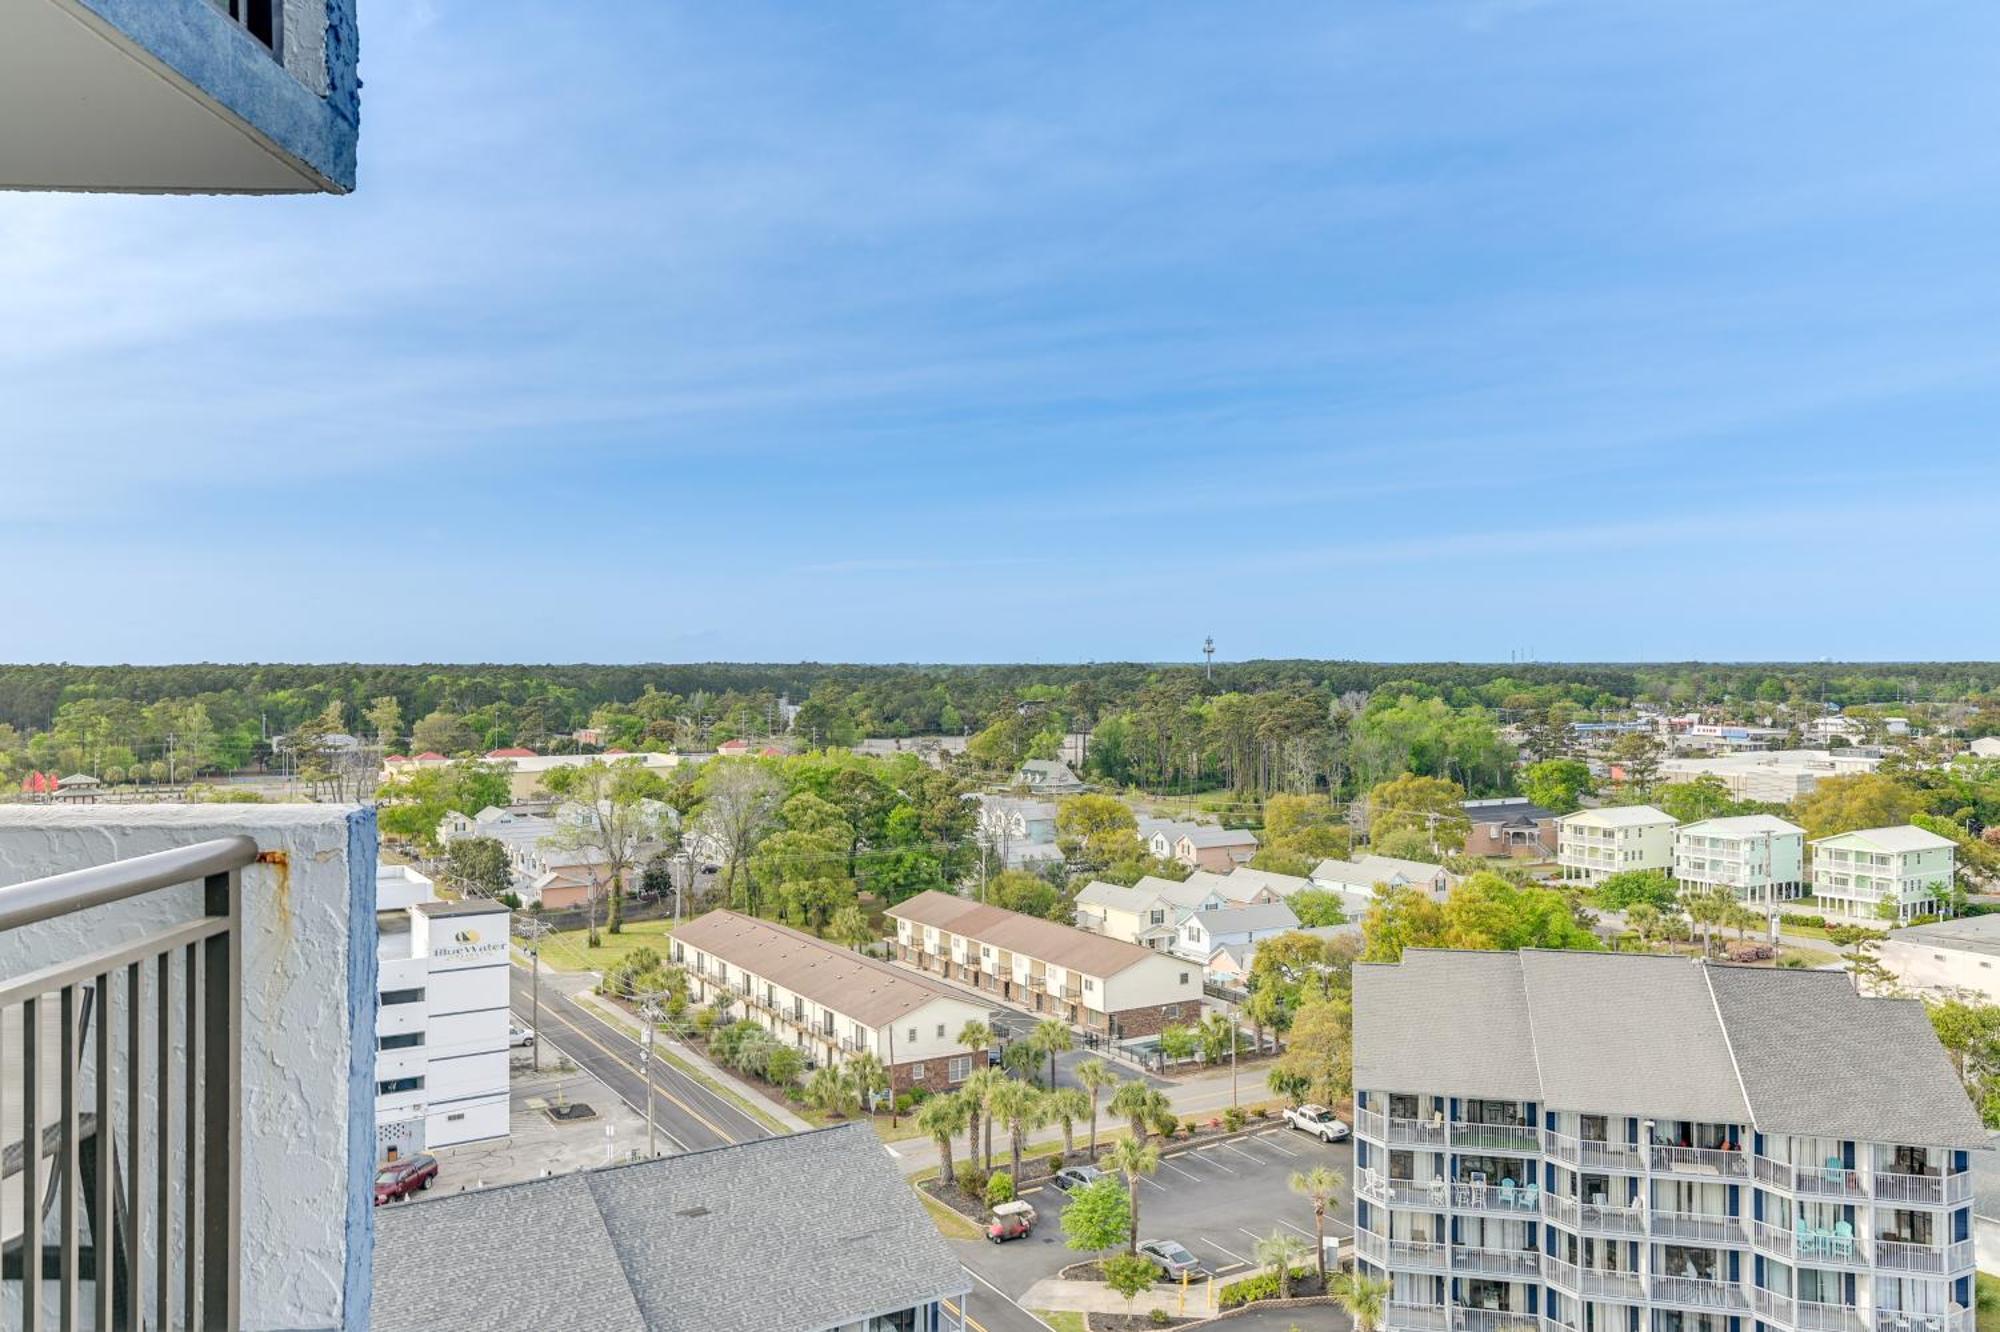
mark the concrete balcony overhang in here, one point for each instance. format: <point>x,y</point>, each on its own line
<point>176,96</point>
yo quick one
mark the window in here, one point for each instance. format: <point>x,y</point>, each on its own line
<point>1184,977</point>
<point>403,1041</point>
<point>394,1085</point>
<point>1089,984</point>
<point>958,1069</point>
<point>940,1031</point>
<point>913,1035</point>
<point>1170,1010</point>
<point>916,1072</point>
<point>402,997</point>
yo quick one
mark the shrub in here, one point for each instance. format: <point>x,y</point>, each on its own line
<point>1263,1286</point>
<point>1262,1112</point>
<point>1233,1118</point>
<point>971,1179</point>
<point>1159,1318</point>
<point>903,1103</point>
<point>1055,1162</point>
<point>999,1188</point>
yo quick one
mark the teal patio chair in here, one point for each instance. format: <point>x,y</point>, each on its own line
<point>1840,1244</point>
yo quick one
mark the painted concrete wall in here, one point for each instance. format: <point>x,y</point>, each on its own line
<point>310,106</point>
<point>309,988</point>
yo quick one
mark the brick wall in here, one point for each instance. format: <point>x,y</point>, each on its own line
<point>1132,1022</point>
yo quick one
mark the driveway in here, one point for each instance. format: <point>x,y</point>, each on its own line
<point>1216,1200</point>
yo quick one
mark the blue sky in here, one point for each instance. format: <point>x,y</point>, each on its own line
<point>958,332</point>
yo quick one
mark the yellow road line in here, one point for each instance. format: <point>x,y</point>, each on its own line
<point>965,1318</point>
<point>696,1115</point>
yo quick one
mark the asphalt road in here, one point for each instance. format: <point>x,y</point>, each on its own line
<point>688,1116</point>
<point>1216,1200</point>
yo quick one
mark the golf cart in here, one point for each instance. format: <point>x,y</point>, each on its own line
<point>1011,1220</point>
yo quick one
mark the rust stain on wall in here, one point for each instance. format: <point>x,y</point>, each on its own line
<point>281,865</point>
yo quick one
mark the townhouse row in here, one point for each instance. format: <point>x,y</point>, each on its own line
<point>1107,988</point>
<point>829,1002</point>
<point>1762,858</point>
<point>1627,1143</point>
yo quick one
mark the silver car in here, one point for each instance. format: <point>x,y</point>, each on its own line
<point>1172,1258</point>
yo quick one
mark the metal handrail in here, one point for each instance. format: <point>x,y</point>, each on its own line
<point>100,885</point>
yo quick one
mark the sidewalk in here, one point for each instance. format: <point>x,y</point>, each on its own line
<point>1096,1297</point>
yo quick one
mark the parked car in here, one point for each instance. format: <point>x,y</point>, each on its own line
<point>400,1179</point>
<point>1317,1120</point>
<point>1072,1178</point>
<point>1172,1258</point>
<point>1011,1220</point>
<point>518,1035</point>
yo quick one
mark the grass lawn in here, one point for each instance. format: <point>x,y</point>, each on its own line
<point>568,950</point>
<point>1986,1316</point>
<point>1069,1320</point>
<point>954,1226</point>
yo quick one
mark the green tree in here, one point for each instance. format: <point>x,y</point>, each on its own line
<point>615,811</point>
<point>1021,1108</point>
<point>385,717</point>
<point>1637,755</point>
<point>442,732</point>
<point>850,927</point>
<point>1097,1217</point>
<point>1628,888</point>
<point>1096,1077</point>
<point>1067,1105</point>
<point>1321,1187</point>
<point>871,1079</point>
<point>977,1089</point>
<point>1362,1297</point>
<point>1862,800</point>
<point>1318,907</point>
<point>1429,806</point>
<point>1177,1043</point>
<point>1139,1105</point>
<point>1318,1062</point>
<point>1278,1251</point>
<point>831,1091</point>
<point>1051,1037</point>
<point>1703,796</point>
<point>941,1117</point>
<point>1133,1158</point>
<point>1557,784</point>
<point>479,866</point>
<point>1129,1275</point>
<point>1096,830</point>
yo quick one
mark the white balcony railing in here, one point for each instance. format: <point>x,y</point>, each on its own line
<point>1700,1293</point>
<point>1923,1190</point>
<point>1927,1259</point>
<point>1493,1320</point>
<point>1399,1131</point>
<point>1400,1317</point>
<point>1521,1264</point>
<point>1955,1319</point>
<point>1815,1247</point>
<point>1595,1218</point>
<point>1495,1137</point>
<point>1590,1153</point>
<point>1697,1227</point>
<point>1496,1199</point>
<point>1708,1161</point>
<point>1807,1315</point>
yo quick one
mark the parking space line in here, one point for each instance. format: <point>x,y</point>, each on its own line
<point>1178,1171</point>
<point>1300,1229</point>
<point>1241,1260</point>
<point>1150,1184</point>
<point>1209,1160</point>
<point>1260,1141</point>
<point>1245,1155</point>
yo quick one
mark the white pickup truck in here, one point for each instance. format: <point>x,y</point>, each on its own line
<point>1317,1120</point>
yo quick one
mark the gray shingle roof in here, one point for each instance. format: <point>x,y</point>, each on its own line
<point>791,1234</point>
<point>1786,1051</point>
<point>1256,916</point>
<point>1818,1058</point>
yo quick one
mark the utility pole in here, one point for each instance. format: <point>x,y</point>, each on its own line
<point>646,1076</point>
<point>535,931</point>
<point>1208,651</point>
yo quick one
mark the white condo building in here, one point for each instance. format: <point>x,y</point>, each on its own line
<point>1594,844</point>
<point>1759,857</point>
<point>1605,1142</point>
<point>1853,873</point>
<point>441,1061</point>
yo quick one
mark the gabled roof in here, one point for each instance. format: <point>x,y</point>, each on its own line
<point>511,751</point>
<point>1204,835</point>
<point>1743,825</point>
<point>1364,872</point>
<point>1229,887</point>
<point>1907,837</point>
<point>864,989</point>
<point>1254,916</point>
<point>1619,816</point>
<point>1505,809</point>
<point>677,1244</point>
<point>1029,936</point>
<point>1622,1033</point>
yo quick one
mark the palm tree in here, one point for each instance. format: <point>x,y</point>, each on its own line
<point>850,926</point>
<point>1320,1186</point>
<point>1644,918</point>
<point>1096,1076</point>
<point>1362,1296</point>
<point>1132,1158</point>
<point>870,1078</point>
<point>1280,1249</point>
<point>1021,1059</point>
<point>1051,1037</point>
<point>977,1037</point>
<point>1019,1106</point>
<point>942,1116</point>
<point>1140,1105</point>
<point>831,1091</point>
<point>1066,1105</point>
<point>976,1089</point>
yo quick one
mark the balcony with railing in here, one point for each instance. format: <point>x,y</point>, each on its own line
<point>170,969</point>
<point>1595,1154</point>
<point>1398,1316</point>
<point>1594,1283</point>
<point>1399,1254</point>
<point>1806,1315</point>
<point>1395,1191</point>
<point>1926,1190</point>
<point>1923,1259</point>
<point>1955,1319</point>
<point>1705,1162</point>
<point>1479,1260</point>
<point>1493,1320</point>
<point>1503,1199</point>
<point>1815,1246</point>
<point>1399,1131</point>
<point>1694,1292</point>
<point>1696,1228</point>
<point>1512,1138</point>
<point>1592,1218</point>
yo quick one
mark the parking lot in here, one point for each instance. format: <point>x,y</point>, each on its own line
<point>1217,1200</point>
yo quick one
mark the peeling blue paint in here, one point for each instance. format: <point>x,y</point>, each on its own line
<point>362,999</point>
<point>210,51</point>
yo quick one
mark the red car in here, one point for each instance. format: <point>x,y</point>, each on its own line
<point>400,1179</point>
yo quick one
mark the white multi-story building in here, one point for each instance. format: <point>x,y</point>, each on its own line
<point>1759,857</point>
<point>1607,1142</point>
<point>1593,844</point>
<point>1853,873</point>
<point>1776,777</point>
<point>441,1031</point>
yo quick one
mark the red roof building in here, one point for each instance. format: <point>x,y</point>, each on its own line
<point>513,751</point>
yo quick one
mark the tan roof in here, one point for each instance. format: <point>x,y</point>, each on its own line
<point>861,988</point>
<point>1030,936</point>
